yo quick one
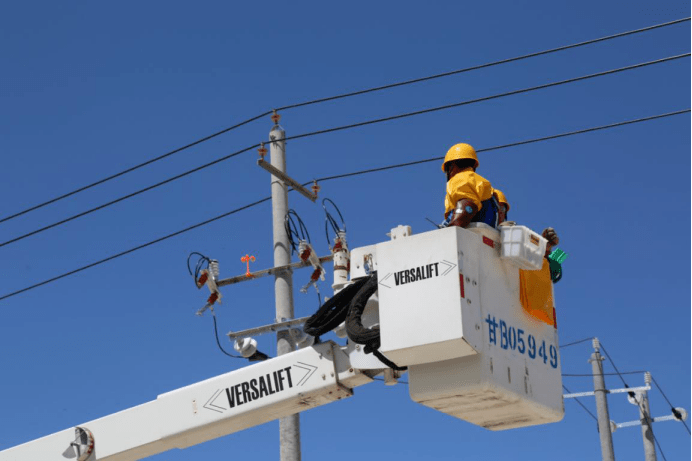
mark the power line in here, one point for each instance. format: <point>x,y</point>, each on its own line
<point>131,250</point>
<point>346,127</point>
<point>133,168</point>
<point>488,98</point>
<point>342,96</point>
<point>651,427</point>
<point>581,404</point>
<point>125,197</point>
<point>504,146</point>
<point>614,366</point>
<point>484,66</point>
<point>562,346</point>
<point>328,178</point>
<point>672,408</point>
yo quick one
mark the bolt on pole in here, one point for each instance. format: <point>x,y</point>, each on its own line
<point>289,427</point>
<point>645,418</point>
<point>601,395</point>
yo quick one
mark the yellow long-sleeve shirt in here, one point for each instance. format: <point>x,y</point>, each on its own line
<point>467,184</point>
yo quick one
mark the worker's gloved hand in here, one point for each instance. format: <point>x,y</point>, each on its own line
<point>553,240</point>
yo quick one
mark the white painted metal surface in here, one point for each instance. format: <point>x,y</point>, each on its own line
<point>423,318</point>
<point>209,409</point>
<point>472,353</point>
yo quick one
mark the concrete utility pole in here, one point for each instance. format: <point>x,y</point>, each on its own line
<point>645,418</point>
<point>601,395</point>
<point>289,427</point>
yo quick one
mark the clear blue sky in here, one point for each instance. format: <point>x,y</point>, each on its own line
<point>91,88</point>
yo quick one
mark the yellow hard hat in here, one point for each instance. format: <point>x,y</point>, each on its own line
<point>500,197</point>
<point>459,152</point>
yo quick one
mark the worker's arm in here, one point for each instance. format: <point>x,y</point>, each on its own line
<point>553,240</point>
<point>465,194</point>
<point>464,211</point>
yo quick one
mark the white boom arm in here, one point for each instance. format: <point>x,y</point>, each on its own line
<point>228,403</point>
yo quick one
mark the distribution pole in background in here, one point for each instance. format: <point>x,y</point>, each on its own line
<point>601,395</point>
<point>645,418</point>
<point>289,427</point>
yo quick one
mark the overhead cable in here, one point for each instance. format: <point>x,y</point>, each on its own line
<point>580,404</point>
<point>485,98</point>
<point>136,167</point>
<point>484,66</point>
<point>505,146</point>
<point>342,96</point>
<point>562,346</point>
<point>672,408</point>
<point>613,364</point>
<point>650,423</point>
<point>341,128</point>
<point>133,194</point>
<point>328,178</point>
<point>132,250</point>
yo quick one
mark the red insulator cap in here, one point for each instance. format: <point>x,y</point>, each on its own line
<point>316,275</point>
<point>305,255</point>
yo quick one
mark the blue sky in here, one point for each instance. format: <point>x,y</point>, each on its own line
<point>89,89</point>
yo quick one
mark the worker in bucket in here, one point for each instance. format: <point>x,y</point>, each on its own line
<point>469,195</point>
<point>471,198</point>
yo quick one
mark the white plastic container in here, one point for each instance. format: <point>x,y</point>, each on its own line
<point>522,247</point>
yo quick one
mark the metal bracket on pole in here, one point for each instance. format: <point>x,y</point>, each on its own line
<point>270,271</point>
<point>287,179</point>
<point>271,328</point>
<point>613,391</point>
<point>657,419</point>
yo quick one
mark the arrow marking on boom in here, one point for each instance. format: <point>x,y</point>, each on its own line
<point>385,278</point>
<point>212,399</point>
<point>450,266</point>
<point>310,370</point>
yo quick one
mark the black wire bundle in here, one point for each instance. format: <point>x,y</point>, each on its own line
<point>202,263</point>
<point>295,232</point>
<point>329,220</point>
<point>333,311</point>
<point>370,337</point>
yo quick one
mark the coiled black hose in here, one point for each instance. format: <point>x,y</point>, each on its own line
<point>354,325</point>
<point>333,311</point>
<point>357,333</point>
